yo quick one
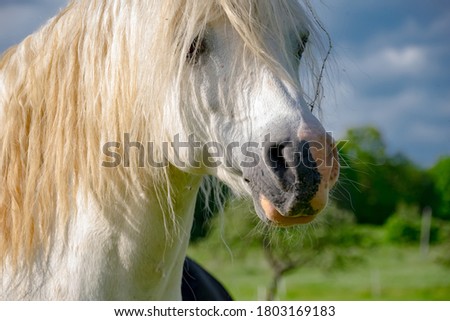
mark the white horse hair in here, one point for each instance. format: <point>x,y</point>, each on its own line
<point>227,71</point>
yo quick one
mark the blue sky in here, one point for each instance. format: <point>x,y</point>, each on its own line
<point>392,71</point>
<point>392,67</point>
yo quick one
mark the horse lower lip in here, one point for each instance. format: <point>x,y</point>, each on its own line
<point>276,217</point>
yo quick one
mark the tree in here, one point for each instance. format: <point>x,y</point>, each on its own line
<point>364,186</point>
<point>335,243</point>
<point>373,183</point>
<point>440,174</point>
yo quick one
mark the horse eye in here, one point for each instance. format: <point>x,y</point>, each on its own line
<point>302,45</point>
<point>197,48</point>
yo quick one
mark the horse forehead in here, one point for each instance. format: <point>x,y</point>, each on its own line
<point>286,26</point>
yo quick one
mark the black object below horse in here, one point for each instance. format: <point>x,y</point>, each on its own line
<point>199,285</point>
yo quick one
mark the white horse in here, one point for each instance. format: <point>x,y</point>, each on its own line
<point>113,112</point>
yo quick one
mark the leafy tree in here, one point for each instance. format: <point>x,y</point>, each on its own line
<point>364,186</point>
<point>373,183</point>
<point>440,174</point>
<point>332,243</point>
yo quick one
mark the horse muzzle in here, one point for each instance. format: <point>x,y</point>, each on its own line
<point>292,184</point>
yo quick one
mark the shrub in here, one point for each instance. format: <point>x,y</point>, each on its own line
<point>404,226</point>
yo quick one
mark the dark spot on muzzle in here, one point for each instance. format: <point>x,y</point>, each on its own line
<point>288,178</point>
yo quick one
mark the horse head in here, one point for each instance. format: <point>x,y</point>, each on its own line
<point>254,129</point>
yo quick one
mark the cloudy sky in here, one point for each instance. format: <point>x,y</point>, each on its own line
<point>392,67</point>
<point>393,71</point>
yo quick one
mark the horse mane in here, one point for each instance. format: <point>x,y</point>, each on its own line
<point>97,70</point>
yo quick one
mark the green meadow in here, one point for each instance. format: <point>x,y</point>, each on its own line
<point>390,273</point>
<point>345,261</point>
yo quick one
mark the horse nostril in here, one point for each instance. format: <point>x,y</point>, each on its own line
<point>280,162</point>
<point>276,157</point>
<point>293,166</point>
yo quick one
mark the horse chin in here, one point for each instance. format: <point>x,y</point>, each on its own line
<point>269,213</point>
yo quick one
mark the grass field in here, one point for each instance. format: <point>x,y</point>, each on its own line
<point>388,272</point>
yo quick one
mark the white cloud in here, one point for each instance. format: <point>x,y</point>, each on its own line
<point>390,61</point>
<point>404,60</point>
